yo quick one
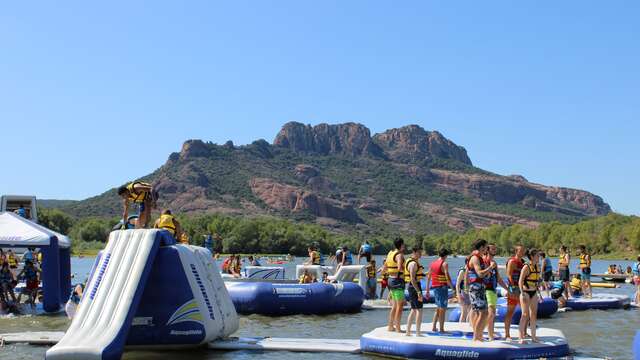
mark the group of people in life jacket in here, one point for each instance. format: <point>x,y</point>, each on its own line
<point>476,285</point>
<point>11,273</point>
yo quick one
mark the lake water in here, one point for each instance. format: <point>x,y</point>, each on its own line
<point>590,333</point>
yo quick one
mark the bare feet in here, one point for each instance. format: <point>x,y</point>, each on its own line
<point>418,334</point>
<point>535,340</point>
<point>508,339</point>
<point>408,334</point>
<point>522,341</point>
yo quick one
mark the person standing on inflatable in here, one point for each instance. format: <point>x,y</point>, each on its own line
<point>491,283</point>
<point>476,272</point>
<point>585,270</point>
<point>141,193</point>
<point>529,282</point>
<point>462,293</point>
<point>440,281</point>
<point>636,279</point>
<point>384,280</point>
<point>413,274</point>
<point>365,251</point>
<point>394,266</point>
<point>514,268</point>
<point>563,269</point>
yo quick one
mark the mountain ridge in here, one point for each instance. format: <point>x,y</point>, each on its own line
<point>405,179</point>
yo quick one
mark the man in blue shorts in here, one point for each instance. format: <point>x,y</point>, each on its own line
<point>440,281</point>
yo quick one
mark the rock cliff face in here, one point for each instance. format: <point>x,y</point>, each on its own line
<point>345,139</point>
<point>413,144</point>
<point>345,178</point>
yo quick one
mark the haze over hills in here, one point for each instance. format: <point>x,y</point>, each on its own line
<point>340,176</point>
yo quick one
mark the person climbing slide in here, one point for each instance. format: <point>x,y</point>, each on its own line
<point>141,193</point>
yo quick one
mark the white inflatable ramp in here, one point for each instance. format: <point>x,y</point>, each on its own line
<point>288,344</point>
<point>457,343</point>
<point>145,291</point>
<point>101,325</point>
<point>32,338</point>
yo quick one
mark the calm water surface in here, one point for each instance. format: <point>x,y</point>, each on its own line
<point>592,333</point>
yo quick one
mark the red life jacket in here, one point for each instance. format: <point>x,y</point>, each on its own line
<point>473,276</point>
<point>225,265</point>
<point>438,277</point>
<point>514,277</point>
<point>491,281</point>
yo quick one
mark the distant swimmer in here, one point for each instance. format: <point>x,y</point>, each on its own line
<point>365,251</point>
<point>168,222</point>
<point>413,274</point>
<point>585,270</point>
<point>440,281</point>
<point>529,282</point>
<point>141,193</point>
<point>253,261</point>
<point>394,266</point>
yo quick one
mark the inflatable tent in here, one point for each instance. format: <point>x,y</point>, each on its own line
<point>16,231</point>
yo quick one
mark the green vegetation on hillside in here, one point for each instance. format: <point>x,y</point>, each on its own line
<point>610,234</point>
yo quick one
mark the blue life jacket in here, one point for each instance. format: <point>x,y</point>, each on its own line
<point>366,248</point>
<point>557,285</point>
<point>349,260</point>
<point>22,212</point>
<point>636,269</point>
<point>547,265</point>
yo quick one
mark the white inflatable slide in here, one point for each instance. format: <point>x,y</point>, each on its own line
<point>146,291</point>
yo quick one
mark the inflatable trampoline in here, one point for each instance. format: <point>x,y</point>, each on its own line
<point>599,302</point>
<point>456,343</point>
<point>546,309</point>
<point>289,299</point>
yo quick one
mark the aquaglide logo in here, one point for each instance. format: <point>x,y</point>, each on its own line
<point>457,354</point>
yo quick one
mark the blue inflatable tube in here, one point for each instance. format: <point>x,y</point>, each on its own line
<point>598,302</point>
<point>290,299</point>
<point>636,346</point>
<point>546,309</point>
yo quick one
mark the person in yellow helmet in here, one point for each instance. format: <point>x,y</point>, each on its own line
<point>168,222</point>
<point>142,193</point>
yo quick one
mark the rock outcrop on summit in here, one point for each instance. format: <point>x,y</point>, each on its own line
<point>401,180</point>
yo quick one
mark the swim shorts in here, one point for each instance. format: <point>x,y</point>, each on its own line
<point>477,296</point>
<point>372,283</point>
<point>384,283</point>
<point>586,274</point>
<point>441,296</point>
<point>395,283</point>
<point>32,284</point>
<point>564,274</point>
<point>397,294</point>
<point>492,298</point>
<point>547,276</point>
<point>413,297</point>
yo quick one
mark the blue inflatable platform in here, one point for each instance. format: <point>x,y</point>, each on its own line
<point>289,299</point>
<point>457,343</point>
<point>546,309</point>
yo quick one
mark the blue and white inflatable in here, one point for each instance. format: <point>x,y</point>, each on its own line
<point>599,302</point>
<point>457,343</point>
<point>147,291</point>
<point>546,309</point>
<point>276,299</point>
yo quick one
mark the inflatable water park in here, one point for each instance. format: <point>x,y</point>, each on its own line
<point>146,291</point>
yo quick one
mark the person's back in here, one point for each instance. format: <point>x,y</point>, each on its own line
<point>167,222</point>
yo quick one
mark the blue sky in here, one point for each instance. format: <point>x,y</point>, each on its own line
<point>93,95</point>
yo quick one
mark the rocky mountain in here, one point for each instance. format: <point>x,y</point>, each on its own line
<point>402,180</point>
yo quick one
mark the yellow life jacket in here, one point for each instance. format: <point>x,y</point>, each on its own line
<point>562,261</point>
<point>12,260</point>
<point>315,258</point>
<point>392,264</point>
<point>419,271</point>
<point>137,197</point>
<point>584,263</point>
<point>575,284</point>
<point>533,279</point>
<point>166,222</point>
<point>40,257</point>
<point>371,271</point>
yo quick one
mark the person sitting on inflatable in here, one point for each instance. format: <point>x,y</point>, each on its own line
<point>236,266</point>
<point>585,270</point>
<point>253,261</point>
<point>306,278</point>
<point>314,256</point>
<point>325,277</point>
<point>557,293</point>
<point>141,193</point>
<point>576,285</point>
<point>7,283</point>
<point>226,264</point>
<point>168,222</point>
<point>365,251</point>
